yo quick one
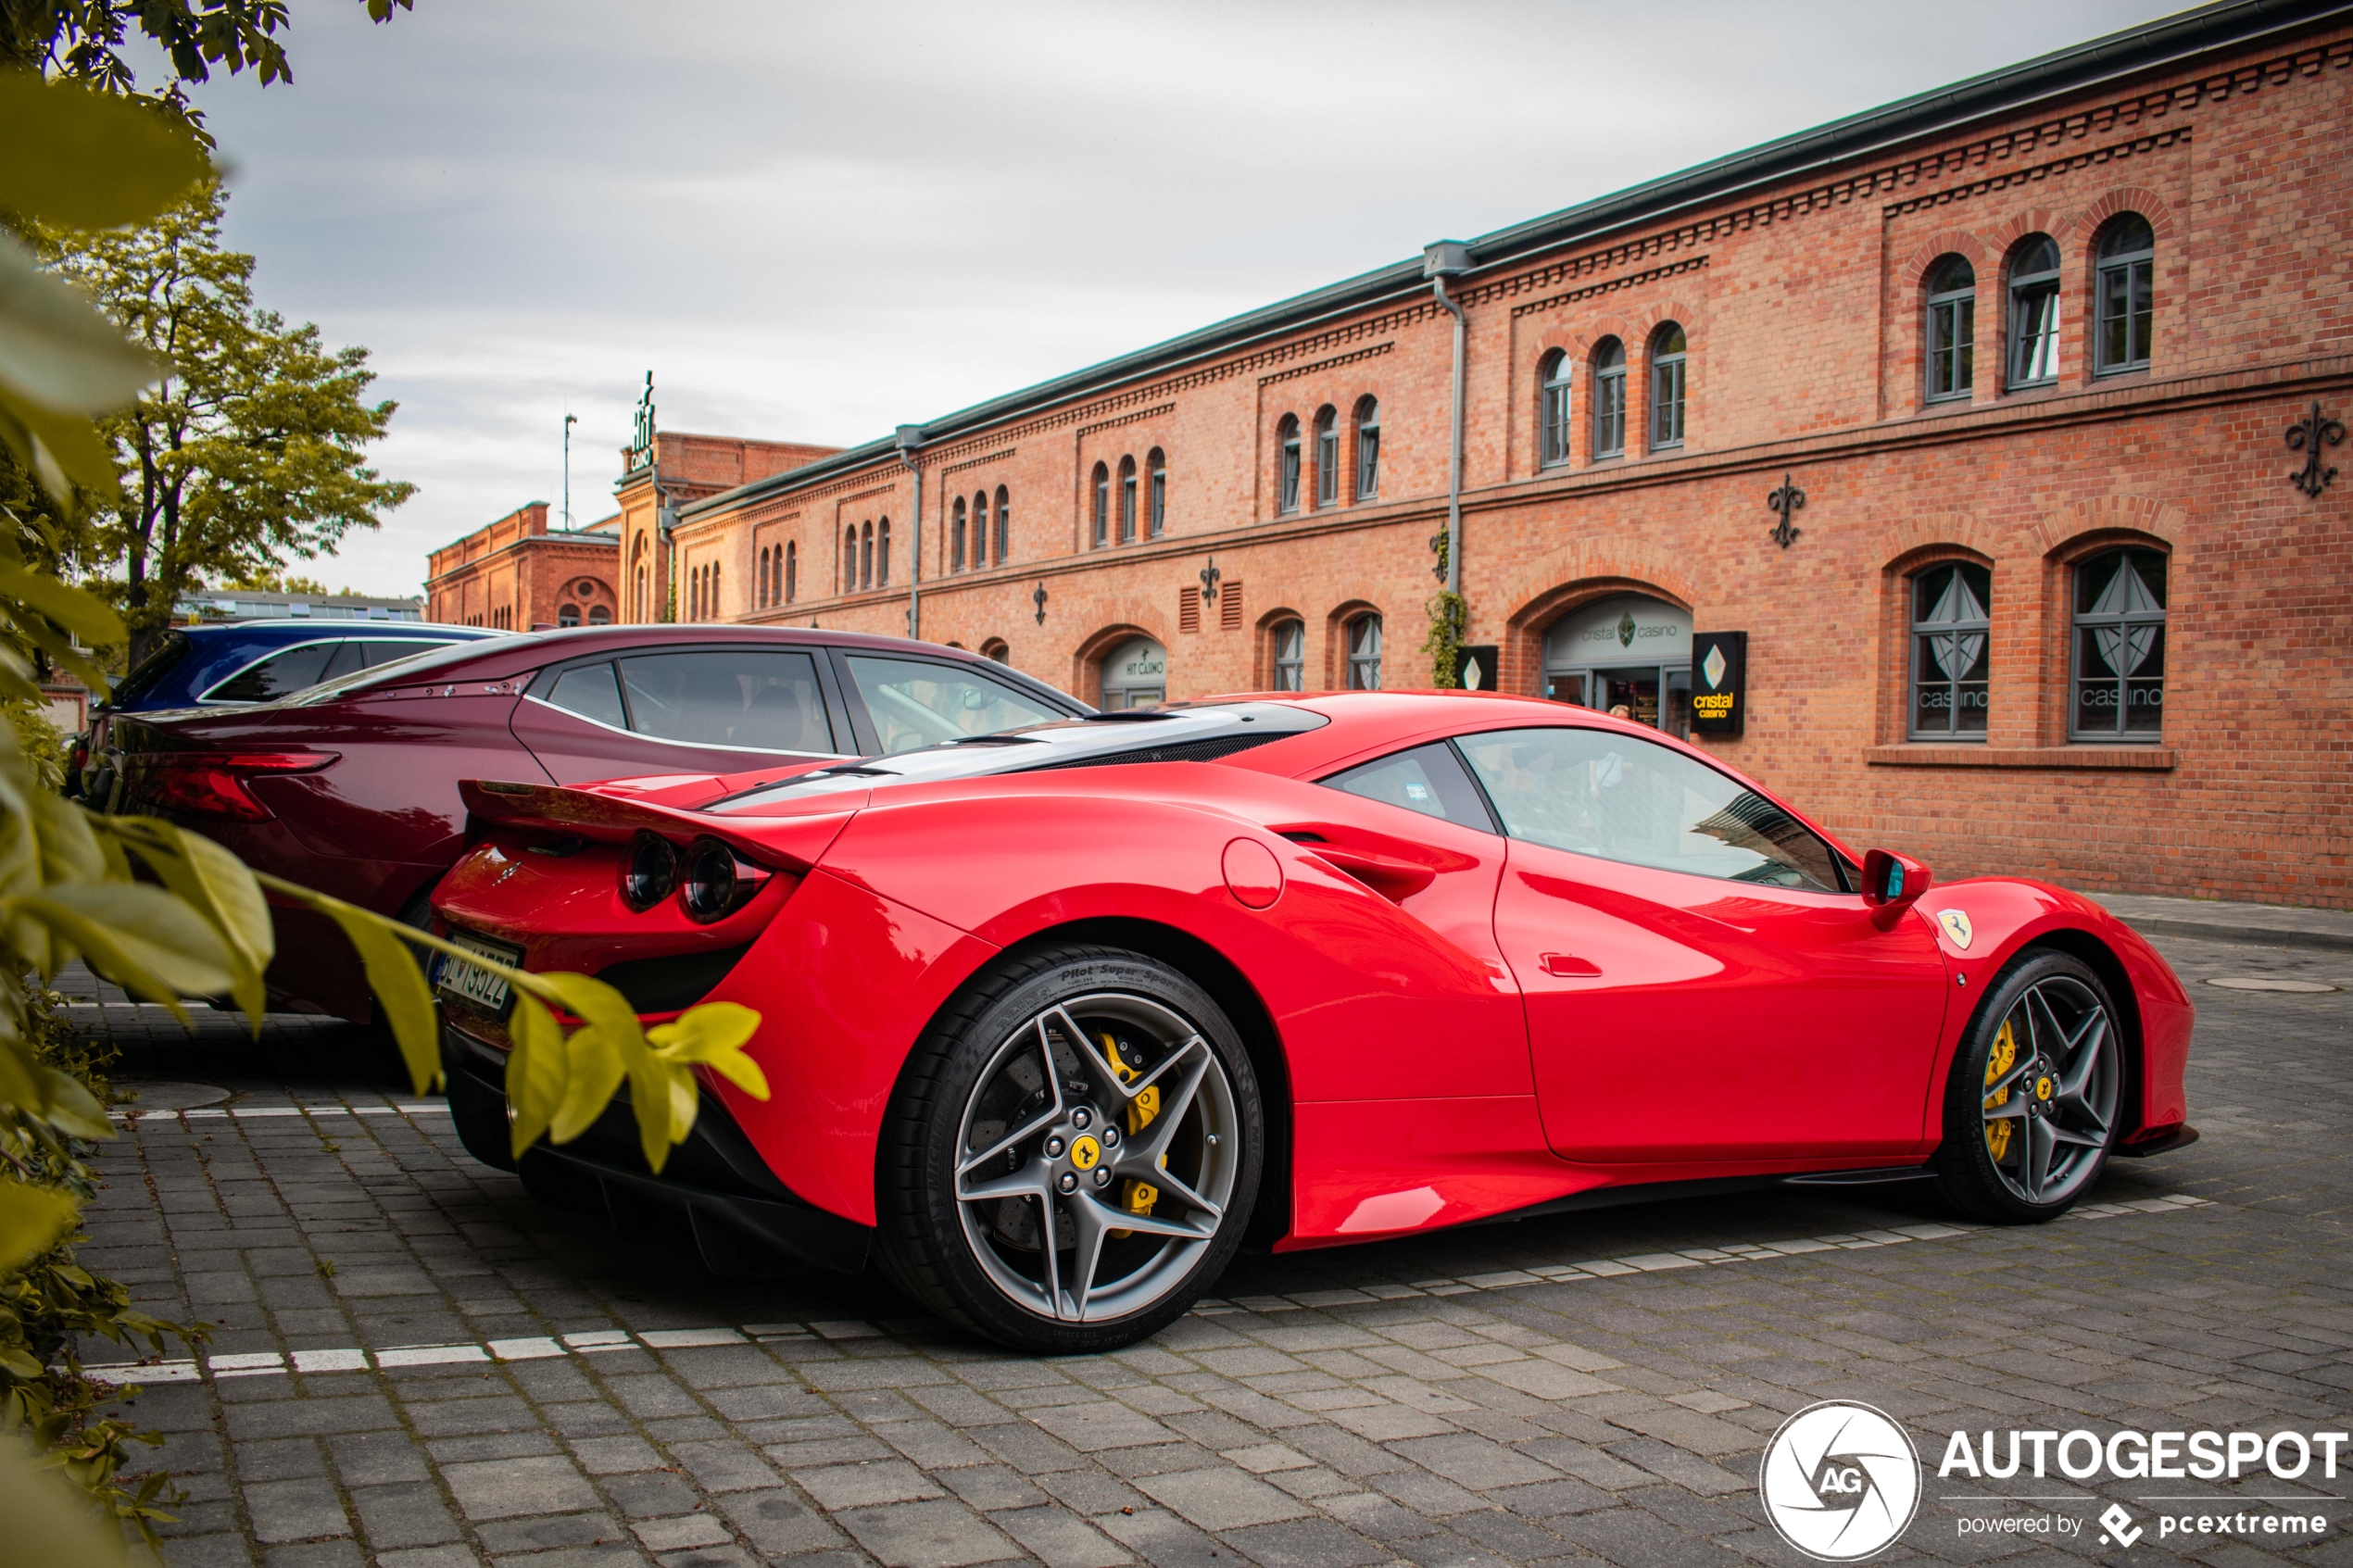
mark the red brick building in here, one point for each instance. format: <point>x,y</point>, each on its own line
<point>518,575</point>
<point>2030,349</point>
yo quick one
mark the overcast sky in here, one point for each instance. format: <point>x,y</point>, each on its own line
<point>815,221</point>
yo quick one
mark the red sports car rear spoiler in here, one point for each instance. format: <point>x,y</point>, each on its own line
<point>792,842</point>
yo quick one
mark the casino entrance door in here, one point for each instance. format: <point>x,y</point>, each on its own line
<point>1629,651</point>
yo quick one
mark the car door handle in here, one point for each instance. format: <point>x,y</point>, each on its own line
<point>1567,966</point>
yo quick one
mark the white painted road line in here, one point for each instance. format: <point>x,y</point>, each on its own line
<point>273,1363</point>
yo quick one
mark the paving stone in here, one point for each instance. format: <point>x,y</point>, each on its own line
<point>1221,1498</point>
<point>295,1511</point>
<point>1059,1538</point>
<point>941,1534</point>
<point>505,1489</point>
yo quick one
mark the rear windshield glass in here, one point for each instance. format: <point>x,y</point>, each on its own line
<point>1163,734</point>
<point>397,672</point>
<point>167,654</point>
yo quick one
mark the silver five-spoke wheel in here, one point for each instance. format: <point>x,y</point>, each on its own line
<point>1098,1151</point>
<point>2034,1102</point>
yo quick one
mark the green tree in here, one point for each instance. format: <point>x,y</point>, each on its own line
<point>81,40</point>
<point>252,449</point>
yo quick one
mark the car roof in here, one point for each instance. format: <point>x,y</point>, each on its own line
<point>522,652</point>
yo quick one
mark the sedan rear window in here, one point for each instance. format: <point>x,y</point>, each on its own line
<point>756,701</point>
<point>283,675</point>
<point>170,649</point>
<point>1428,779</point>
<point>914,702</point>
<point>1598,792</point>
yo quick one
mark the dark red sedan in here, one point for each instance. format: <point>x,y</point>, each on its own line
<point>351,786</point>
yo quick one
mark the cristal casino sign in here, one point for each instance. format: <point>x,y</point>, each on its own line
<point>1719,682</point>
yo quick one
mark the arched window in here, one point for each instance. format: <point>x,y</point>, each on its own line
<point>849,559</point>
<point>956,539</point>
<point>2126,294</point>
<point>1102,506</point>
<point>1156,465</point>
<point>1609,398</point>
<point>1367,449</point>
<point>568,615</point>
<point>2119,647</point>
<point>2034,286</point>
<point>980,529</point>
<point>1951,328</point>
<point>1126,500</point>
<point>1287,490</point>
<point>1364,654</point>
<point>866,556</point>
<point>995,649</point>
<point>693,594</point>
<point>764,589</point>
<point>1668,361</point>
<point>1004,523</point>
<point>882,555</point>
<point>792,570</point>
<point>1327,457</point>
<point>1291,656</point>
<point>1951,628</point>
<point>599,615</point>
<point>1552,376</point>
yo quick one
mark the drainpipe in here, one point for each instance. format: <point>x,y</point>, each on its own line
<point>1450,258</point>
<point>910,440</point>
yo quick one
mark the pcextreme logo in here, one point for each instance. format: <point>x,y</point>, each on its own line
<point>1839,1481</point>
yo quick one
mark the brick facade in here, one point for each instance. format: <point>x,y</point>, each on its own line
<point>517,575</point>
<point>1798,274</point>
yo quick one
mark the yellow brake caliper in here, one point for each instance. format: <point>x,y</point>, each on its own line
<point>1997,1062</point>
<point>1136,1197</point>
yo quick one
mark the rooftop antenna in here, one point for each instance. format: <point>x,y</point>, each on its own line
<point>570,420</point>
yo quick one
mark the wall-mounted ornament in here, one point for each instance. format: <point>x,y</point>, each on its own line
<point>1038,599</point>
<point>1209,576</point>
<point>2308,435</point>
<point>1785,503</point>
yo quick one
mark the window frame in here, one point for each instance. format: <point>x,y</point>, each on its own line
<point>1555,379</point>
<point>1101,480</point>
<point>1156,515</point>
<point>1917,631</point>
<point>1364,670</point>
<point>1327,456</point>
<point>980,531</point>
<point>1609,399</point>
<point>792,570</point>
<point>1957,304</point>
<point>2080,620</point>
<point>1669,387</point>
<point>1127,500</point>
<point>1295,662</point>
<point>2137,269</point>
<point>881,554</point>
<point>1287,472</point>
<point>1005,510</point>
<point>2023,291</point>
<point>1367,421</point>
<point>956,538</point>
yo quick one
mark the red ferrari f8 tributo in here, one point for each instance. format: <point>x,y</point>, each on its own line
<point>1055,1018</point>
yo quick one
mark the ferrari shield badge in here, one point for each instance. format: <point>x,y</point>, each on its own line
<point>1956,926</point>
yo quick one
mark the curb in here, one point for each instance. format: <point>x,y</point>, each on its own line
<point>2258,936</point>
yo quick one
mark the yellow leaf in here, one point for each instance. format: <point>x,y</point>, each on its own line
<point>102,162</point>
<point>714,1034</point>
<point>78,611</point>
<point>595,1072</point>
<point>69,1107</point>
<point>140,937</point>
<point>217,886</point>
<point>616,1020</point>
<point>400,988</point>
<point>57,354</point>
<point>535,1071</point>
<point>32,1219</point>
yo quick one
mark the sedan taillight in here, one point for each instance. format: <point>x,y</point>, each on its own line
<point>212,784</point>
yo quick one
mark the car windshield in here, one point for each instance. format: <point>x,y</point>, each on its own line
<point>1163,734</point>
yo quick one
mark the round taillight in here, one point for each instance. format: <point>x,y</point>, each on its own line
<point>708,884</point>
<point>651,873</point>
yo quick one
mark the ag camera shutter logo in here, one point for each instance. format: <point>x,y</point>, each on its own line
<point>1841,1481</point>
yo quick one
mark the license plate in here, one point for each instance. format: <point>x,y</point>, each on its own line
<point>473,984</point>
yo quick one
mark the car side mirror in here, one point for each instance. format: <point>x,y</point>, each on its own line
<point>1892,881</point>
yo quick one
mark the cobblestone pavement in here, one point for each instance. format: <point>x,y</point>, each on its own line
<point>417,1366</point>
